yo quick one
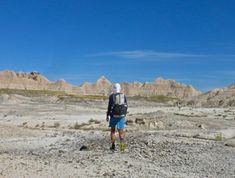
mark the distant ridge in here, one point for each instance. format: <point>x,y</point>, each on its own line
<point>35,81</point>
<point>31,81</point>
<point>220,97</point>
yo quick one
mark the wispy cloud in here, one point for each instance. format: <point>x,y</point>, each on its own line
<point>146,54</point>
<point>158,55</point>
<point>227,72</point>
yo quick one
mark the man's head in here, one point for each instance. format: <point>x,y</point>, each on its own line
<point>116,88</point>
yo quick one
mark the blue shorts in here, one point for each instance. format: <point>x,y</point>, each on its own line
<point>119,122</point>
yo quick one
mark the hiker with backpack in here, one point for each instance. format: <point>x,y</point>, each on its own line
<point>117,110</point>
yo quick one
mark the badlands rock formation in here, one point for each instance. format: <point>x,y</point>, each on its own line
<point>31,81</point>
<point>159,87</point>
<point>223,97</point>
<point>101,87</point>
<point>12,80</point>
<point>35,81</point>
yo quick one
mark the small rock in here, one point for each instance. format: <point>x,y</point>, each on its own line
<point>139,121</point>
<point>201,126</point>
<point>61,151</point>
<point>106,174</point>
<point>130,165</point>
<point>83,148</point>
<point>146,142</point>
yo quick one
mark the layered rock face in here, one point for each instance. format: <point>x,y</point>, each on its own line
<point>30,81</point>
<point>60,85</point>
<point>35,81</point>
<point>223,97</point>
<point>101,87</point>
<point>159,87</point>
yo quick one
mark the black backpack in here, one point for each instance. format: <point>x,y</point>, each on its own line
<point>119,108</point>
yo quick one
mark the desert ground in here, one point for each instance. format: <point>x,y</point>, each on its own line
<point>42,137</point>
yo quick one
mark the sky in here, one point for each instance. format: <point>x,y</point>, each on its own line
<point>190,41</point>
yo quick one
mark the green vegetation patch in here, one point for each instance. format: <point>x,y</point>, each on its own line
<point>32,93</point>
<point>156,98</point>
<point>77,126</point>
<point>91,121</point>
<point>62,95</point>
<point>218,137</point>
<point>77,98</point>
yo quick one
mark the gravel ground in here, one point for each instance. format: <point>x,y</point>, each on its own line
<point>161,142</point>
<point>57,154</point>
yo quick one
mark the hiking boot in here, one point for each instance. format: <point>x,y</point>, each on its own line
<point>122,146</point>
<point>113,148</point>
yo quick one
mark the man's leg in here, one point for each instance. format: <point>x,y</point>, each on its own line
<point>113,138</point>
<point>121,126</point>
<point>113,135</point>
<point>122,143</point>
<point>121,134</point>
<point>112,124</point>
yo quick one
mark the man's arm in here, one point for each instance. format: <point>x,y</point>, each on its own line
<point>126,103</point>
<point>125,100</point>
<point>109,107</point>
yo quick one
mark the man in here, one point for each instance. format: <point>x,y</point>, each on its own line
<point>117,110</point>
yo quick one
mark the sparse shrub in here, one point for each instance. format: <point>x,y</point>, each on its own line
<point>218,137</point>
<point>43,125</point>
<point>56,124</point>
<point>76,126</point>
<point>94,121</point>
<point>37,125</point>
<point>24,124</point>
<point>79,126</point>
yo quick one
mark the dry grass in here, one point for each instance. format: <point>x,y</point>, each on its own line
<point>56,124</point>
<point>157,98</point>
<point>78,98</point>
<point>24,124</point>
<point>94,121</point>
<point>32,93</point>
<point>218,137</point>
<point>65,97</point>
<point>77,126</point>
<point>62,95</point>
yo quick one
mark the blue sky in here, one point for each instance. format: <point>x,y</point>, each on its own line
<point>190,41</point>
